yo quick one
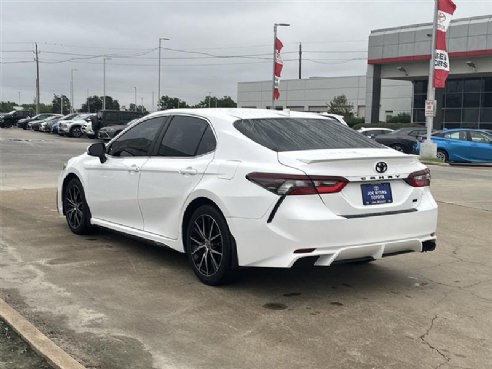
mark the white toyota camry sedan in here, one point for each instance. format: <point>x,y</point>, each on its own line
<point>236,188</point>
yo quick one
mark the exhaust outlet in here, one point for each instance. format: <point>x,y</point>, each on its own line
<point>428,245</point>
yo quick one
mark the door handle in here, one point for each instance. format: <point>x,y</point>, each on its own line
<point>188,171</point>
<point>134,168</point>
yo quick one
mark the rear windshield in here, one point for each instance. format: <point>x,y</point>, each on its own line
<point>297,134</point>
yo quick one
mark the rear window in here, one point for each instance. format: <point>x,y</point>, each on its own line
<point>297,134</point>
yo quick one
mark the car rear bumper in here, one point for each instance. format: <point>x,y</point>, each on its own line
<point>281,242</point>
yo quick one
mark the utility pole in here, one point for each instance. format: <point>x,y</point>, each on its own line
<point>153,106</point>
<point>429,148</point>
<point>104,82</point>
<point>19,99</point>
<point>159,77</point>
<point>37,79</point>
<point>209,98</point>
<point>135,98</point>
<point>141,104</point>
<point>300,60</point>
<point>71,90</point>
<point>61,104</point>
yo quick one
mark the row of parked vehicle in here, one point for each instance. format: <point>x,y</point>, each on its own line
<point>105,124</point>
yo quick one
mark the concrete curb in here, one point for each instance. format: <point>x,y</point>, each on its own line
<point>41,344</point>
<point>430,162</point>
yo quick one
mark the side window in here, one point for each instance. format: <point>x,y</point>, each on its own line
<point>183,137</point>
<point>208,142</point>
<point>479,137</point>
<point>452,135</point>
<point>137,140</point>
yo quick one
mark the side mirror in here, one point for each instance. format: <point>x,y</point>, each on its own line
<point>99,150</point>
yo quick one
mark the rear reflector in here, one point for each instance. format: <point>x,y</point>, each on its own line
<point>303,251</point>
<point>291,184</point>
<point>422,178</point>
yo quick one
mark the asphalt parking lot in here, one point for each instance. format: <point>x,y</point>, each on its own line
<point>116,303</point>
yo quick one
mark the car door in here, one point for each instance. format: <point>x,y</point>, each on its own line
<point>168,178</point>
<point>112,187</point>
<point>480,146</point>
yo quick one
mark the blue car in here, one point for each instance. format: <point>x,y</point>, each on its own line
<point>464,145</point>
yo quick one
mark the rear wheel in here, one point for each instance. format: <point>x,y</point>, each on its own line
<point>209,246</point>
<point>76,132</point>
<point>442,155</point>
<point>76,209</point>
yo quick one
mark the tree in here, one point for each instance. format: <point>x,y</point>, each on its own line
<point>7,106</point>
<point>56,108</point>
<point>168,102</point>
<point>340,105</point>
<point>95,103</point>
<point>399,118</point>
<point>215,102</point>
<point>139,108</point>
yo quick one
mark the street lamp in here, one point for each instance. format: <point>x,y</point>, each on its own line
<point>159,78</point>
<point>104,82</point>
<point>71,89</point>
<point>135,98</point>
<point>274,57</point>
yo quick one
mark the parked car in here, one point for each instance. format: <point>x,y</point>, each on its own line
<point>45,126</point>
<point>403,139</point>
<point>105,118</point>
<point>110,132</point>
<point>10,119</point>
<point>25,122</point>
<point>35,125</point>
<point>248,187</point>
<point>463,145</point>
<point>373,132</point>
<point>73,127</point>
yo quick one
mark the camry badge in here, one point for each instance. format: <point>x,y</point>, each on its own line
<point>381,167</point>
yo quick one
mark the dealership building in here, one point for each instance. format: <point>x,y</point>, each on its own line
<point>396,79</point>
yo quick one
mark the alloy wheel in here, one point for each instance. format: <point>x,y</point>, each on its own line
<point>441,155</point>
<point>75,206</point>
<point>206,245</point>
<point>76,132</point>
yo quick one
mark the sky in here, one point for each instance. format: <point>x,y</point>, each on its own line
<point>212,45</point>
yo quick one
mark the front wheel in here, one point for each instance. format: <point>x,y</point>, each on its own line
<point>398,147</point>
<point>76,209</point>
<point>76,132</point>
<point>209,246</point>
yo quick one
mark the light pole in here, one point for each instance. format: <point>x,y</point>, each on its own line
<point>141,104</point>
<point>135,98</point>
<point>159,78</point>
<point>274,57</point>
<point>209,98</point>
<point>71,89</point>
<point>104,82</point>
<point>61,104</point>
<point>19,99</point>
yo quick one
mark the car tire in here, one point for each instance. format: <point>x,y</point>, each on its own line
<point>210,246</point>
<point>76,209</point>
<point>76,132</point>
<point>442,155</point>
<point>398,147</point>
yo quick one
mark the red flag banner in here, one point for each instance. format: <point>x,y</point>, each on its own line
<point>277,69</point>
<point>445,10</point>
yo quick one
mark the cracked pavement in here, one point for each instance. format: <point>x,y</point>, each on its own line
<point>117,303</point>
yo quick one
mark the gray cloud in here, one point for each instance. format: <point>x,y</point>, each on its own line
<point>332,33</point>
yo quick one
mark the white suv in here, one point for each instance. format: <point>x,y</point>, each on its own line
<point>73,127</point>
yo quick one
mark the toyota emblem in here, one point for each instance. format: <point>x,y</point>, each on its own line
<point>381,167</point>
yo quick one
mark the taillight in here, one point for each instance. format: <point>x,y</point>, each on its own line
<point>421,178</point>
<point>291,184</point>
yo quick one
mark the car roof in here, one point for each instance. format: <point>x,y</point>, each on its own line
<point>233,114</point>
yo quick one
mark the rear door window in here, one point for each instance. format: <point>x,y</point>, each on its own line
<point>183,137</point>
<point>296,134</point>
